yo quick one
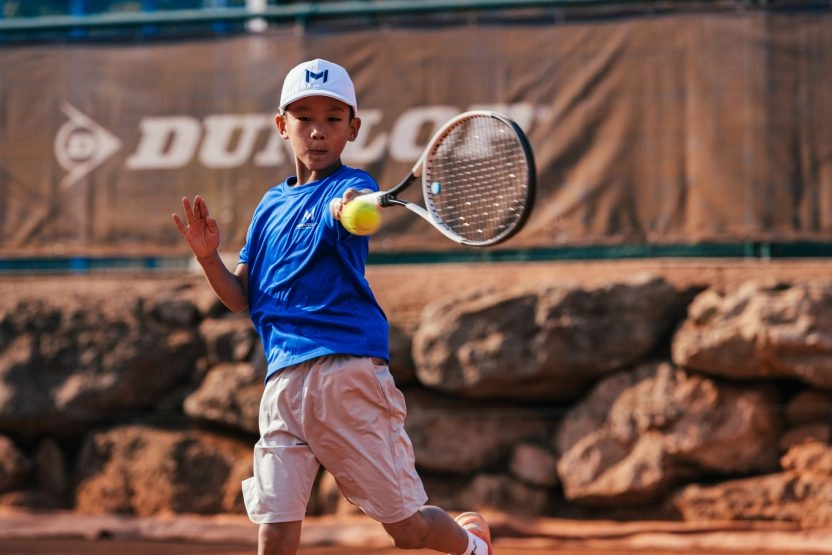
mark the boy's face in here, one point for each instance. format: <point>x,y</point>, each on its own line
<point>318,128</point>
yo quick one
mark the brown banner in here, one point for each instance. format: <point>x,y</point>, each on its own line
<point>667,129</point>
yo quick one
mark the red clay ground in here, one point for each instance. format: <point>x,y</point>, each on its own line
<point>65,547</point>
<point>67,533</point>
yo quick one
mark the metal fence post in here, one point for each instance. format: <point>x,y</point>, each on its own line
<point>78,8</point>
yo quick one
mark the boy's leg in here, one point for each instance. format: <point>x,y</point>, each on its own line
<point>363,443</point>
<point>429,527</point>
<point>277,495</point>
<point>433,528</point>
<point>281,538</point>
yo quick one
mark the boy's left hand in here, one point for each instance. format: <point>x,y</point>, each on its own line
<point>199,229</point>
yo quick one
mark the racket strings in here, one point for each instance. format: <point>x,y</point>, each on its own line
<point>477,180</point>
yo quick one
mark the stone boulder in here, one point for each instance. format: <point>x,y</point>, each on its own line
<point>229,339</point>
<point>14,466</point>
<point>229,395</point>
<point>451,436</point>
<point>760,331</point>
<point>549,343</point>
<point>534,465</point>
<point>501,492</point>
<point>801,494</point>
<point>638,434</point>
<point>141,470</point>
<point>402,367</point>
<point>809,406</point>
<point>69,362</point>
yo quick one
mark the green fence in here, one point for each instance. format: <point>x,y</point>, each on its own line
<point>151,20</point>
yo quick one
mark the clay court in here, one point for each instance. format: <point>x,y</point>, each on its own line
<point>65,547</point>
<point>502,547</point>
<point>66,533</point>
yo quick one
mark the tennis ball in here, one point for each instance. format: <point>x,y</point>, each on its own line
<point>360,217</point>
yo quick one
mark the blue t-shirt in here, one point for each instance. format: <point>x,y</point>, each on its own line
<point>307,293</point>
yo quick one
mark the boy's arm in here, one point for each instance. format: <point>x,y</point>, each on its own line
<point>202,233</point>
<point>229,287</point>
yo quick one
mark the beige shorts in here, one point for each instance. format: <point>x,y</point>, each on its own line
<point>346,414</point>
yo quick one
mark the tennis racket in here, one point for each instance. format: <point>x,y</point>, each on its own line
<point>478,180</point>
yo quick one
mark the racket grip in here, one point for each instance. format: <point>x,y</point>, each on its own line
<point>378,198</point>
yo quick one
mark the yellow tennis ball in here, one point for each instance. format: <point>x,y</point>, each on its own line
<point>360,217</point>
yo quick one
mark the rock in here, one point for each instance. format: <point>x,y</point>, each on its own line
<point>545,344</point>
<point>809,406</point>
<point>760,331</point>
<point>802,494</point>
<point>502,493</point>
<point>599,472</point>
<point>450,436</point>
<point>328,499</point>
<point>69,362</point>
<point>14,466</point>
<point>176,311</point>
<point>534,465</point>
<point>401,358</point>
<point>445,490</point>
<point>806,433</point>
<point>142,470</point>
<point>51,467</point>
<point>812,457</point>
<point>229,395</point>
<point>637,434</point>
<point>229,339</point>
<point>479,346</point>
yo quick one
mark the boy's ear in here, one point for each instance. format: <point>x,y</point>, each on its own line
<point>280,122</point>
<point>355,125</point>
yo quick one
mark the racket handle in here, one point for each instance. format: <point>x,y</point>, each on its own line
<point>378,198</point>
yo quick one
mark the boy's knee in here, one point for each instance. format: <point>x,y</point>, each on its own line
<point>408,534</point>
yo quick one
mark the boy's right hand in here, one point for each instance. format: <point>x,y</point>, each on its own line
<point>337,204</point>
<point>202,231</point>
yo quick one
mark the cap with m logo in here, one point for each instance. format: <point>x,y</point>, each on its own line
<point>318,78</point>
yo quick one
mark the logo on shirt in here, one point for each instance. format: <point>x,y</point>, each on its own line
<point>308,220</point>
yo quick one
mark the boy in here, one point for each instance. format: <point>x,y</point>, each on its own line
<point>329,398</point>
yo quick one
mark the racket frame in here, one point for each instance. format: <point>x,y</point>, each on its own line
<point>388,197</point>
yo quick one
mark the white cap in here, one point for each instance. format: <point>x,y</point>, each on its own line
<point>318,78</point>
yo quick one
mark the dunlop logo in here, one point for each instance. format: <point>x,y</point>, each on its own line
<point>228,141</point>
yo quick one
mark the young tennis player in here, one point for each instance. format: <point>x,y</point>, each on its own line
<point>329,397</point>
